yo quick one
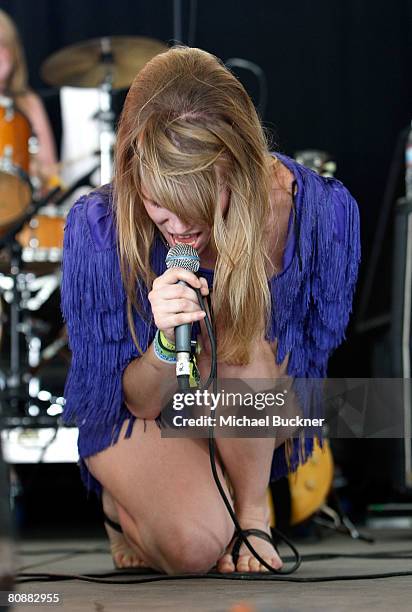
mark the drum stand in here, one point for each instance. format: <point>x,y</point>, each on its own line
<point>17,383</point>
<point>19,290</point>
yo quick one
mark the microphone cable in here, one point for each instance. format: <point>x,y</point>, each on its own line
<point>212,453</point>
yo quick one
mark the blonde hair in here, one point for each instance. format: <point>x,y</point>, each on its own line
<point>17,80</point>
<point>184,114</point>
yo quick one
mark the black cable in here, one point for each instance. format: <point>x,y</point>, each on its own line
<point>23,577</point>
<point>239,532</point>
<point>396,554</point>
<point>26,577</point>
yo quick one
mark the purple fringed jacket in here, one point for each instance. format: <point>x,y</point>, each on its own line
<point>311,303</point>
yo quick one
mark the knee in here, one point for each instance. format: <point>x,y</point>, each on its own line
<point>192,549</point>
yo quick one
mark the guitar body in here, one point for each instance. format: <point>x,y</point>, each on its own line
<point>309,486</point>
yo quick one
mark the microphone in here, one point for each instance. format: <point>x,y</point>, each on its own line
<point>183,256</point>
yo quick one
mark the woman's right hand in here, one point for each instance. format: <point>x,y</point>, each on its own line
<point>174,304</point>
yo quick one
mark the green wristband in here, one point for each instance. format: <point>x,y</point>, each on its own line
<point>165,343</point>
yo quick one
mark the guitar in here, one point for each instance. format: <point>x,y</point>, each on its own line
<point>309,486</point>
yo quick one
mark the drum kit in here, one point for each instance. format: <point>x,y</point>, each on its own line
<point>32,224</point>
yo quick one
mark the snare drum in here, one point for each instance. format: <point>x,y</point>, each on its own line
<point>15,187</point>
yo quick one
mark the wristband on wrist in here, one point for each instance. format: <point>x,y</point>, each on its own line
<point>161,350</point>
<point>165,343</point>
<point>165,351</point>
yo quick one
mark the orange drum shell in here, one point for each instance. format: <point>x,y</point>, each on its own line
<point>15,131</point>
<point>15,188</point>
<point>43,232</point>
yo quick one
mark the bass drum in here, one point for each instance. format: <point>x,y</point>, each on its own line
<point>15,186</point>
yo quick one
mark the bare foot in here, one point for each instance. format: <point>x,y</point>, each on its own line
<point>124,555</point>
<point>251,519</point>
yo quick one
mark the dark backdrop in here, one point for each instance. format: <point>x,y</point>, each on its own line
<point>339,73</point>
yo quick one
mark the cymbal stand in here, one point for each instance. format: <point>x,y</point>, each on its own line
<point>105,114</point>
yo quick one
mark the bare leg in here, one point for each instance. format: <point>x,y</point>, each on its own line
<point>247,462</point>
<point>123,552</point>
<point>167,502</point>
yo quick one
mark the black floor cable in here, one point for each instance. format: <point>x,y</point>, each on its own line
<point>104,578</point>
<point>102,550</point>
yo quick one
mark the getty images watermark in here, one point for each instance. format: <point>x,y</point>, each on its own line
<point>231,399</point>
<point>336,407</point>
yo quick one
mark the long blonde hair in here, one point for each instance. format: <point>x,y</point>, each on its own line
<point>185,113</point>
<point>17,80</point>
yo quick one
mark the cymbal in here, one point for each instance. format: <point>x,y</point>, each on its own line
<point>86,64</point>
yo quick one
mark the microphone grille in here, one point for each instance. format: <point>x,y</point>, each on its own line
<point>183,256</point>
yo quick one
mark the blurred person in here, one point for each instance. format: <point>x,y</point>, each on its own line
<point>14,85</point>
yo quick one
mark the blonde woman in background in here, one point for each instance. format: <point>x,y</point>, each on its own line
<point>14,85</point>
<point>279,253</point>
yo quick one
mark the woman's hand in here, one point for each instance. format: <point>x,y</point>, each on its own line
<point>174,304</point>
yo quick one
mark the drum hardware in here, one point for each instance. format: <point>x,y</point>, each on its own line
<point>83,181</point>
<point>33,238</point>
<point>105,116</point>
<point>42,236</point>
<point>16,144</point>
<point>44,285</point>
<point>332,516</point>
<point>107,134</point>
<point>84,64</point>
<point>7,104</point>
<point>16,379</point>
<point>50,351</point>
<point>6,162</point>
<point>30,328</point>
<point>106,63</point>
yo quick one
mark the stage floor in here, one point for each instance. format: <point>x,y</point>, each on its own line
<point>214,593</point>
